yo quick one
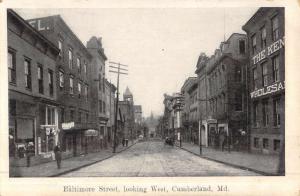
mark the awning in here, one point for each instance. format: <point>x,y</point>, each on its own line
<point>91,132</point>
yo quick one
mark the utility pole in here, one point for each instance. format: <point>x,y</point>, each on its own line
<point>116,70</point>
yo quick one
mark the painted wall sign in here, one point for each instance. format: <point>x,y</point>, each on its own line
<point>268,90</point>
<point>68,125</point>
<point>44,24</point>
<point>275,46</point>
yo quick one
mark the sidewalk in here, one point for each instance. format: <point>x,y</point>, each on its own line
<point>50,169</point>
<point>260,163</point>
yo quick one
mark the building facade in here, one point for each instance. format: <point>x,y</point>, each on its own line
<point>73,78</point>
<point>265,31</point>
<point>110,91</point>
<point>189,114</point>
<point>225,96</point>
<point>33,111</point>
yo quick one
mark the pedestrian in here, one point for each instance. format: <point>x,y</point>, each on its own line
<point>123,141</point>
<point>126,142</point>
<point>222,140</point>
<point>57,153</point>
<point>29,153</point>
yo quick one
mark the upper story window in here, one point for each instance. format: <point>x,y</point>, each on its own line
<point>70,54</point>
<point>71,85</point>
<point>50,80</point>
<point>253,44</point>
<point>242,46</point>
<point>60,48</point>
<point>86,92</point>
<point>85,68</point>
<point>275,65</point>
<point>275,28</point>
<point>276,112</point>
<point>40,79</point>
<point>265,112</point>
<point>27,71</point>
<point>263,37</point>
<point>78,64</point>
<point>264,70</point>
<point>99,78</point>
<point>238,73</point>
<point>61,79</point>
<point>255,78</point>
<point>255,113</point>
<point>79,89</point>
<point>11,60</point>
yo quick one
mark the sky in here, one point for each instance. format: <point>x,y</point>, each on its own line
<point>160,45</point>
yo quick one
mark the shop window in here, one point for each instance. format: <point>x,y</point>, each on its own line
<point>50,80</point>
<point>40,79</point>
<point>256,142</point>
<point>275,65</point>
<point>276,145</point>
<point>265,112</point>
<point>276,106</point>
<point>275,28</point>
<point>27,72</point>
<point>11,60</point>
<point>264,70</point>
<point>265,143</point>
<point>263,37</point>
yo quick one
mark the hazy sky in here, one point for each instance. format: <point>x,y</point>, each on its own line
<point>161,46</point>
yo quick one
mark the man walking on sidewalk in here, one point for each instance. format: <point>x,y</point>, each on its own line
<point>57,153</point>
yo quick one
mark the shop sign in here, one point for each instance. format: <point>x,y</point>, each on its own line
<point>68,125</point>
<point>91,132</point>
<point>275,46</point>
<point>268,90</point>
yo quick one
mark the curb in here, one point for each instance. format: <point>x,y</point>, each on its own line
<point>230,164</point>
<point>88,164</point>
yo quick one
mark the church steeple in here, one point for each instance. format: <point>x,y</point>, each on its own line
<point>127,96</point>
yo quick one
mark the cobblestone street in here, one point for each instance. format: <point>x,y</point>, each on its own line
<point>153,158</point>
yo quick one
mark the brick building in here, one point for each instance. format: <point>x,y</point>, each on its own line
<point>99,100</point>
<point>190,110</point>
<point>110,91</point>
<point>33,111</point>
<point>73,86</point>
<point>265,31</point>
<point>225,93</point>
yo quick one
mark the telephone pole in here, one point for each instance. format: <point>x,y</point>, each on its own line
<point>117,69</point>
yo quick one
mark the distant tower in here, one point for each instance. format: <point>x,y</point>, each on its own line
<point>127,96</point>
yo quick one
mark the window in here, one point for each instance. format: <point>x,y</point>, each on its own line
<point>78,64</point>
<point>100,106</point>
<point>50,79</point>
<point>242,46</point>
<point>85,68</point>
<point>70,58</point>
<point>79,89</point>
<point>79,116</point>
<point>86,92</point>
<point>99,78</point>
<point>50,115</point>
<point>256,142</point>
<point>254,44</point>
<point>238,101</point>
<point>87,117</point>
<point>12,107</point>
<point>263,37</point>
<point>60,48</point>
<point>255,112</point>
<point>104,107</point>
<point>72,115</point>
<point>276,113</point>
<point>238,73</point>
<point>275,28</point>
<point>265,143</point>
<point>27,70</point>
<point>103,83</point>
<point>62,116</point>
<point>71,85</point>
<point>40,79</point>
<point>255,78</point>
<point>264,70</point>
<point>275,65</point>
<point>265,112</point>
<point>11,60</point>
<point>61,79</point>
<point>276,145</point>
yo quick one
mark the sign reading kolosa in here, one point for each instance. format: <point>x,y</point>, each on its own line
<point>268,90</point>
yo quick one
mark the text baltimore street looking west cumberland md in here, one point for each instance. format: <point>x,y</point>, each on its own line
<point>77,110</point>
